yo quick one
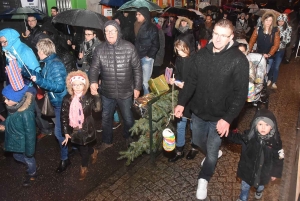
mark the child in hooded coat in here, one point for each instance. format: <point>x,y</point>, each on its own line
<point>76,117</point>
<point>262,154</point>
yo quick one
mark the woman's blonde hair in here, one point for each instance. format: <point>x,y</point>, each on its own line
<point>265,16</point>
<point>46,46</point>
<point>180,45</point>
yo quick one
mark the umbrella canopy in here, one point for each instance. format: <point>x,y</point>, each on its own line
<point>173,11</point>
<point>197,12</point>
<point>133,5</point>
<point>116,3</point>
<point>253,8</point>
<point>213,8</point>
<point>81,18</point>
<point>263,11</point>
<point>22,13</point>
<point>203,5</point>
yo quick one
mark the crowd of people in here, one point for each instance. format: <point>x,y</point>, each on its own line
<point>85,70</point>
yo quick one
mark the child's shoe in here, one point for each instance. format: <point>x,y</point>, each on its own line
<point>258,195</point>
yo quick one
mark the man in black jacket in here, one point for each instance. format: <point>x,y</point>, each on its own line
<point>218,88</point>
<point>118,63</point>
<point>146,43</point>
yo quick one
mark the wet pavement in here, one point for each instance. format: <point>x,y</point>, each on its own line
<point>109,179</point>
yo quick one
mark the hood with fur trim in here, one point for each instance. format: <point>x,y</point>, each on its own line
<point>189,22</point>
<point>274,21</point>
<point>77,73</point>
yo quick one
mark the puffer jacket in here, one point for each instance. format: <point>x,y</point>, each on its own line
<point>89,102</point>
<point>20,50</point>
<point>119,66</point>
<point>147,39</point>
<point>259,159</point>
<point>51,79</point>
<point>20,130</point>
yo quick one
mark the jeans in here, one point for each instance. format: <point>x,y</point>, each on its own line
<point>109,105</point>
<point>30,162</point>
<point>269,63</point>
<point>147,67</point>
<point>274,71</point>
<point>245,190</point>
<point>181,125</point>
<point>42,124</point>
<point>205,136</point>
<point>58,134</point>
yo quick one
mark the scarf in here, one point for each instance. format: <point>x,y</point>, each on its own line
<point>137,26</point>
<point>183,29</point>
<point>76,115</point>
<point>88,44</point>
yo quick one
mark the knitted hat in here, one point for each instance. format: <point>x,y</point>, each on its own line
<point>266,120</point>
<point>145,12</point>
<point>242,14</point>
<point>15,96</point>
<point>78,78</point>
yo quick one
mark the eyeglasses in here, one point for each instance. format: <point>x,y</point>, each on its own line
<point>3,42</point>
<point>111,31</point>
<point>88,34</point>
<point>77,85</point>
<point>220,35</point>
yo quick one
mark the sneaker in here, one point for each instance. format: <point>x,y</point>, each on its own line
<point>258,195</point>
<point>104,146</point>
<point>201,193</point>
<point>116,125</point>
<point>269,82</point>
<point>220,153</point>
<point>274,86</point>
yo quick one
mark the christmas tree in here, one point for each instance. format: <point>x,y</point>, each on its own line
<point>161,116</point>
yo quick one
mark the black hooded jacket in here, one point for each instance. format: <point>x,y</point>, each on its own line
<point>119,67</point>
<point>259,159</point>
<point>218,82</point>
<point>147,39</point>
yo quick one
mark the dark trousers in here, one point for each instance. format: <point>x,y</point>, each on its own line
<point>85,152</point>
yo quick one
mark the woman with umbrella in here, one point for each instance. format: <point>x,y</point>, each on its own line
<point>267,38</point>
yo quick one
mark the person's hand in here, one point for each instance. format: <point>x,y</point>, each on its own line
<point>171,81</point>
<point>33,78</point>
<point>69,42</point>
<point>73,47</point>
<point>94,88</point>
<point>266,56</point>
<point>80,56</point>
<point>136,94</point>
<point>67,137</point>
<point>273,178</point>
<point>178,111</point>
<point>180,85</point>
<point>222,127</point>
<point>27,33</point>
<point>2,128</point>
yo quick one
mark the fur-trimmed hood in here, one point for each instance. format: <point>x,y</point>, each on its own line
<point>77,73</point>
<point>28,101</point>
<point>178,21</point>
<point>274,22</point>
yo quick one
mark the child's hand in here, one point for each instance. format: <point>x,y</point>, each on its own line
<point>171,81</point>
<point>65,142</point>
<point>273,178</point>
<point>2,128</point>
<point>33,78</point>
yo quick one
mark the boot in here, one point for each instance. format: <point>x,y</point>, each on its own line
<point>83,172</point>
<point>179,155</point>
<point>63,165</point>
<point>94,156</point>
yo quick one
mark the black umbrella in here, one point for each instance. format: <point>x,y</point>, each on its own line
<point>81,18</point>
<point>22,13</point>
<point>212,8</point>
<point>171,11</point>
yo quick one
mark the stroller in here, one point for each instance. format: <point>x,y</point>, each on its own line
<point>257,93</point>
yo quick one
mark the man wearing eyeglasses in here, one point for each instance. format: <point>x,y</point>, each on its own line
<point>118,63</point>
<point>86,50</point>
<point>33,34</point>
<point>218,88</point>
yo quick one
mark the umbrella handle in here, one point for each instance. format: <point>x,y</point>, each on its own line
<point>23,35</point>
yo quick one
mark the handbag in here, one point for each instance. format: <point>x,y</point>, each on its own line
<point>47,108</point>
<point>158,85</point>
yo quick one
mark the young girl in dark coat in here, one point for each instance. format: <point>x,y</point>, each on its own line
<point>184,47</point>
<point>76,117</point>
<point>262,154</point>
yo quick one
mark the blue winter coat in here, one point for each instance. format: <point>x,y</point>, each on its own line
<point>20,50</point>
<point>20,130</point>
<point>52,79</point>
